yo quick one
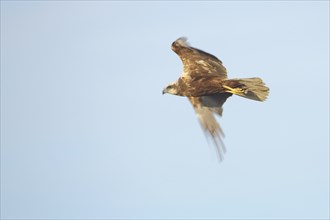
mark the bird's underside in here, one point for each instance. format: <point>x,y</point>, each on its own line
<point>204,81</point>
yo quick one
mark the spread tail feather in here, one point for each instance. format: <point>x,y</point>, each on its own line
<point>250,88</point>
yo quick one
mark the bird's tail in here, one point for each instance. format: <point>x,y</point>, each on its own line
<point>250,88</point>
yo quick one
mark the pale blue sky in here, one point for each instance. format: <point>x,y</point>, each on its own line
<point>86,132</point>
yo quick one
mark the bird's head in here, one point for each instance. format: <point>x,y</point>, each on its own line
<point>171,89</point>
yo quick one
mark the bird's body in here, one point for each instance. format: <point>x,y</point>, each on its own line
<point>199,86</point>
<point>204,81</point>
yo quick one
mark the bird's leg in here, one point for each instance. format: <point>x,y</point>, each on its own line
<point>236,91</point>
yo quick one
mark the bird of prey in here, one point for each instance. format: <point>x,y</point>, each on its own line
<point>204,81</point>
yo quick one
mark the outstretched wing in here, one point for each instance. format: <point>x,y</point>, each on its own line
<point>204,107</point>
<point>197,62</point>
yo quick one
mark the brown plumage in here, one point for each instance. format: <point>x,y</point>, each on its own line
<point>204,81</point>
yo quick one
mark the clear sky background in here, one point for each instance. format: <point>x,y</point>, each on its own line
<point>86,132</point>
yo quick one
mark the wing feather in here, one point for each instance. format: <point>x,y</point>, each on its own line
<point>209,125</point>
<point>197,62</point>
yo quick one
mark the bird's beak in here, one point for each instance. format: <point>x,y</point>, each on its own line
<point>164,91</point>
